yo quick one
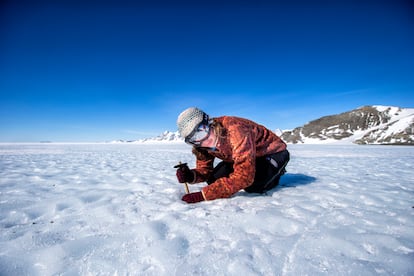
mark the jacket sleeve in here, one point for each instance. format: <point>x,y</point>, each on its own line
<point>244,156</point>
<point>204,165</point>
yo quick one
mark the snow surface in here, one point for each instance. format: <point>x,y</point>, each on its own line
<point>102,209</point>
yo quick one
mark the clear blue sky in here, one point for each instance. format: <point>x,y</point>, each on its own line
<point>105,70</point>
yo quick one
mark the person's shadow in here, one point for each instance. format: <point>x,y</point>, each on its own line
<point>288,180</point>
<point>292,180</point>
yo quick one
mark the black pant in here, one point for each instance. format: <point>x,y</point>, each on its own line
<point>269,169</point>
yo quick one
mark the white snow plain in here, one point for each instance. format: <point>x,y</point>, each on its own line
<point>101,209</point>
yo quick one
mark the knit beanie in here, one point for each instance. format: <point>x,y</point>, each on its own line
<point>189,119</point>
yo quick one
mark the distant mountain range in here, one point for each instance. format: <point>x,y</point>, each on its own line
<point>165,137</point>
<point>385,125</point>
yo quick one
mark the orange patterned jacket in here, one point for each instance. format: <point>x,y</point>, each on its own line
<point>243,143</point>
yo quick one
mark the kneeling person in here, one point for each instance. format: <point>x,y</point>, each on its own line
<point>253,157</point>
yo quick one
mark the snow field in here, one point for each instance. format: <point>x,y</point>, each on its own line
<point>103,209</point>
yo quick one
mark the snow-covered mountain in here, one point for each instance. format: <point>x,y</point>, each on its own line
<point>165,137</point>
<point>366,125</point>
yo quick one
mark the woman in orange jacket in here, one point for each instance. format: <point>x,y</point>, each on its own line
<point>254,158</point>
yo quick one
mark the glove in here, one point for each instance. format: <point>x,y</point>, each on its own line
<point>193,197</point>
<point>184,174</point>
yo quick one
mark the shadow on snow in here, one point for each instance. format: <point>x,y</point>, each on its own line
<point>288,180</point>
<point>294,180</point>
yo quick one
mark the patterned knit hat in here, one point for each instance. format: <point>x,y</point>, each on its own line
<point>189,119</point>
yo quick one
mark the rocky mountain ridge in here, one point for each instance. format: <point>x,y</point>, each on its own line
<point>386,125</point>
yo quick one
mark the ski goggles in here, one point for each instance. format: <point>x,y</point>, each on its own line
<point>199,134</point>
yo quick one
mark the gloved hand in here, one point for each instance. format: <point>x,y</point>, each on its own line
<point>184,174</point>
<point>193,197</point>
